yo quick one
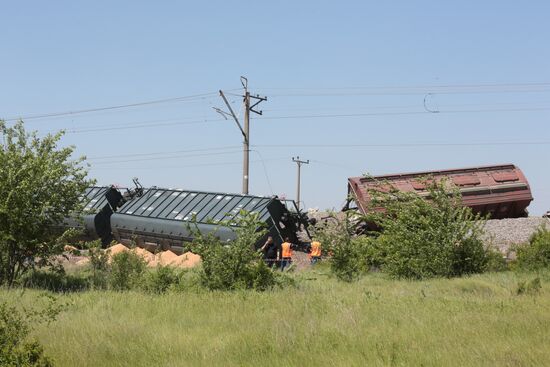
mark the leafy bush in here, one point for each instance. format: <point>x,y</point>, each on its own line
<point>228,266</point>
<point>427,238</point>
<point>347,258</point>
<point>162,279</point>
<point>536,254</point>
<point>126,271</point>
<point>372,253</point>
<point>495,261</point>
<point>261,276</point>
<point>99,263</point>
<point>15,326</point>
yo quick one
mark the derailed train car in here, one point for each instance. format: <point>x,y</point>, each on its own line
<point>499,191</point>
<point>157,218</point>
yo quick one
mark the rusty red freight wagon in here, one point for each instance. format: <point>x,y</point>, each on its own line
<point>501,191</point>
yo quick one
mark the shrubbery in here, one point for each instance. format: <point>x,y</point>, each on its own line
<point>428,238</point>
<point>163,279</point>
<point>235,265</point>
<point>16,350</point>
<point>418,238</point>
<point>225,266</point>
<point>495,261</point>
<point>126,271</point>
<point>346,252</point>
<point>535,255</point>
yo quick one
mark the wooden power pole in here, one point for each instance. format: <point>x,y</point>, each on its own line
<point>246,130</point>
<point>299,164</point>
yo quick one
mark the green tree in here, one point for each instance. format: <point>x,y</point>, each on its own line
<point>40,185</point>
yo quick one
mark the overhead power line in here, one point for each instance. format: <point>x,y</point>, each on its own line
<point>149,156</point>
<point>168,157</point>
<point>424,112</point>
<point>129,126</point>
<point>190,165</point>
<point>164,153</point>
<point>397,145</point>
<point>138,126</point>
<point>115,107</point>
<point>419,89</point>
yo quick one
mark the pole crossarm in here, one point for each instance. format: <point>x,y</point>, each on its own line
<point>259,100</point>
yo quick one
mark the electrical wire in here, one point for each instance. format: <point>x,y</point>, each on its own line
<point>139,126</point>
<point>115,107</point>
<point>424,112</point>
<point>397,145</point>
<point>285,117</point>
<point>421,89</point>
<point>152,156</point>
<point>168,157</point>
<point>164,153</point>
<point>265,170</point>
<point>185,166</point>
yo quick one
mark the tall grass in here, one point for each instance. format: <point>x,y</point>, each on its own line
<point>475,321</point>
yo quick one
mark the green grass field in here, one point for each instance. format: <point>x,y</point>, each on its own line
<point>475,321</point>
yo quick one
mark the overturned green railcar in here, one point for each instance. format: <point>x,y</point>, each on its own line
<point>156,218</point>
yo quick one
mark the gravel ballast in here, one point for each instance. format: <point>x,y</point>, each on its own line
<point>504,233</point>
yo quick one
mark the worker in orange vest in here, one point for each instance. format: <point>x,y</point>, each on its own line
<point>315,251</point>
<point>286,253</point>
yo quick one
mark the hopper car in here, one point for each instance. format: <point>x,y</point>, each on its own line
<point>497,191</point>
<point>156,218</point>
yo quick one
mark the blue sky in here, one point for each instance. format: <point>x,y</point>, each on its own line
<point>335,74</point>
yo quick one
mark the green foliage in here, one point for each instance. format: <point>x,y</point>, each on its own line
<point>54,281</point>
<point>262,277</point>
<point>428,238</point>
<point>228,266</point>
<point>162,279</point>
<point>40,185</point>
<point>495,261</point>
<point>347,258</point>
<point>126,271</point>
<point>99,262</point>
<point>372,253</point>
<point>15,326</point>
<point>536,254</point>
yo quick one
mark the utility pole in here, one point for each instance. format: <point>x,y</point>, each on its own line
<point>246,131</point>
<point>246,143</point>
<point>299,164</point>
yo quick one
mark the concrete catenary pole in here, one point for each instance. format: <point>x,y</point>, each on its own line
<point>246,130</point>
<point>246,141</point>
<point>299,165</point>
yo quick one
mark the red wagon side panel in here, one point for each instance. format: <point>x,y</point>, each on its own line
<point>501,191</point>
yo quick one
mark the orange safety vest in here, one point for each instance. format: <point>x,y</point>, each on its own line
<point>315,249</point>
<point>287,252</point>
